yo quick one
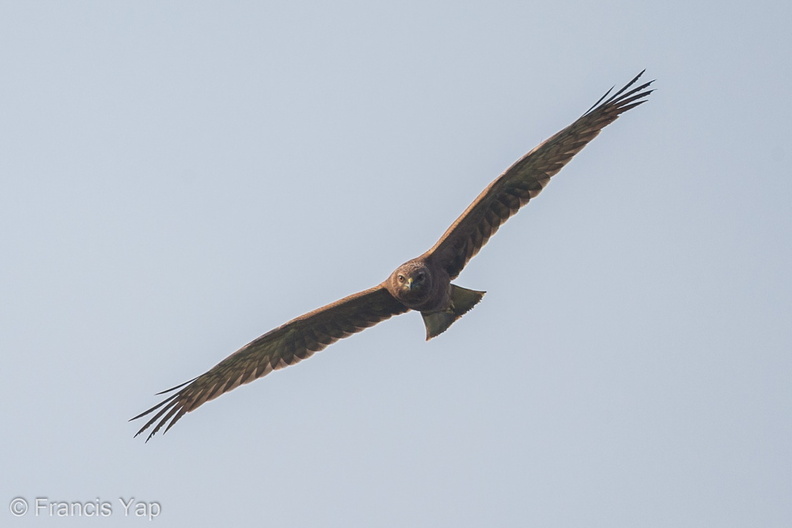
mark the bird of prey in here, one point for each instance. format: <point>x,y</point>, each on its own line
<point>422,284</point>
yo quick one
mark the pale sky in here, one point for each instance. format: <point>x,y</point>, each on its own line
<point>179,178</point>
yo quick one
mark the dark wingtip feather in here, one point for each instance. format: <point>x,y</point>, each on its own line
<point>179,386</point>
<point>169,407</point>
<point>623,98</point>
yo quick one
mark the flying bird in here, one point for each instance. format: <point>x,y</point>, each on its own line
<point>422,284</point>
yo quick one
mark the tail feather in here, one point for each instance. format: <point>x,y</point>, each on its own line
<point>462,300</point>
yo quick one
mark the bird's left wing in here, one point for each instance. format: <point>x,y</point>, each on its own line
<point>526,178</point>
<point>286,345</point>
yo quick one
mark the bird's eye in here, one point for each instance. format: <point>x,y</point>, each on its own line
<point>401,278</point>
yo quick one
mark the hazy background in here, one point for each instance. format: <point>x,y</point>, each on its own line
<point>179,178</point>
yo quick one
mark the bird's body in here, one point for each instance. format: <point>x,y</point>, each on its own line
<point>422,284</point>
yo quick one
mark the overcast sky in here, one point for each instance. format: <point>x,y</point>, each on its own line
<point>179,178</point>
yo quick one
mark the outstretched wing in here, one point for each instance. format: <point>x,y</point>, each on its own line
<point>286,345</point>
<point>526,178</point>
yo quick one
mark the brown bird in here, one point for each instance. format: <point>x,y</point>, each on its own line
<point>422,284</point>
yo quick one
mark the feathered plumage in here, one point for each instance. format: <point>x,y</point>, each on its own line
<point>422,284</point>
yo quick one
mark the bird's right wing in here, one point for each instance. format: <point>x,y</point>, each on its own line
<point>286,345</point>
<point>526,178</point>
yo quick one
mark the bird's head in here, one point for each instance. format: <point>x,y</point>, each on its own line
<point>411,283</point>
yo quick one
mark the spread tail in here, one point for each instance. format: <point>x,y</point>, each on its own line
<point>462,300</point>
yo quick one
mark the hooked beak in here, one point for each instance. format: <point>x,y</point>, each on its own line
<point>408,284</point>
